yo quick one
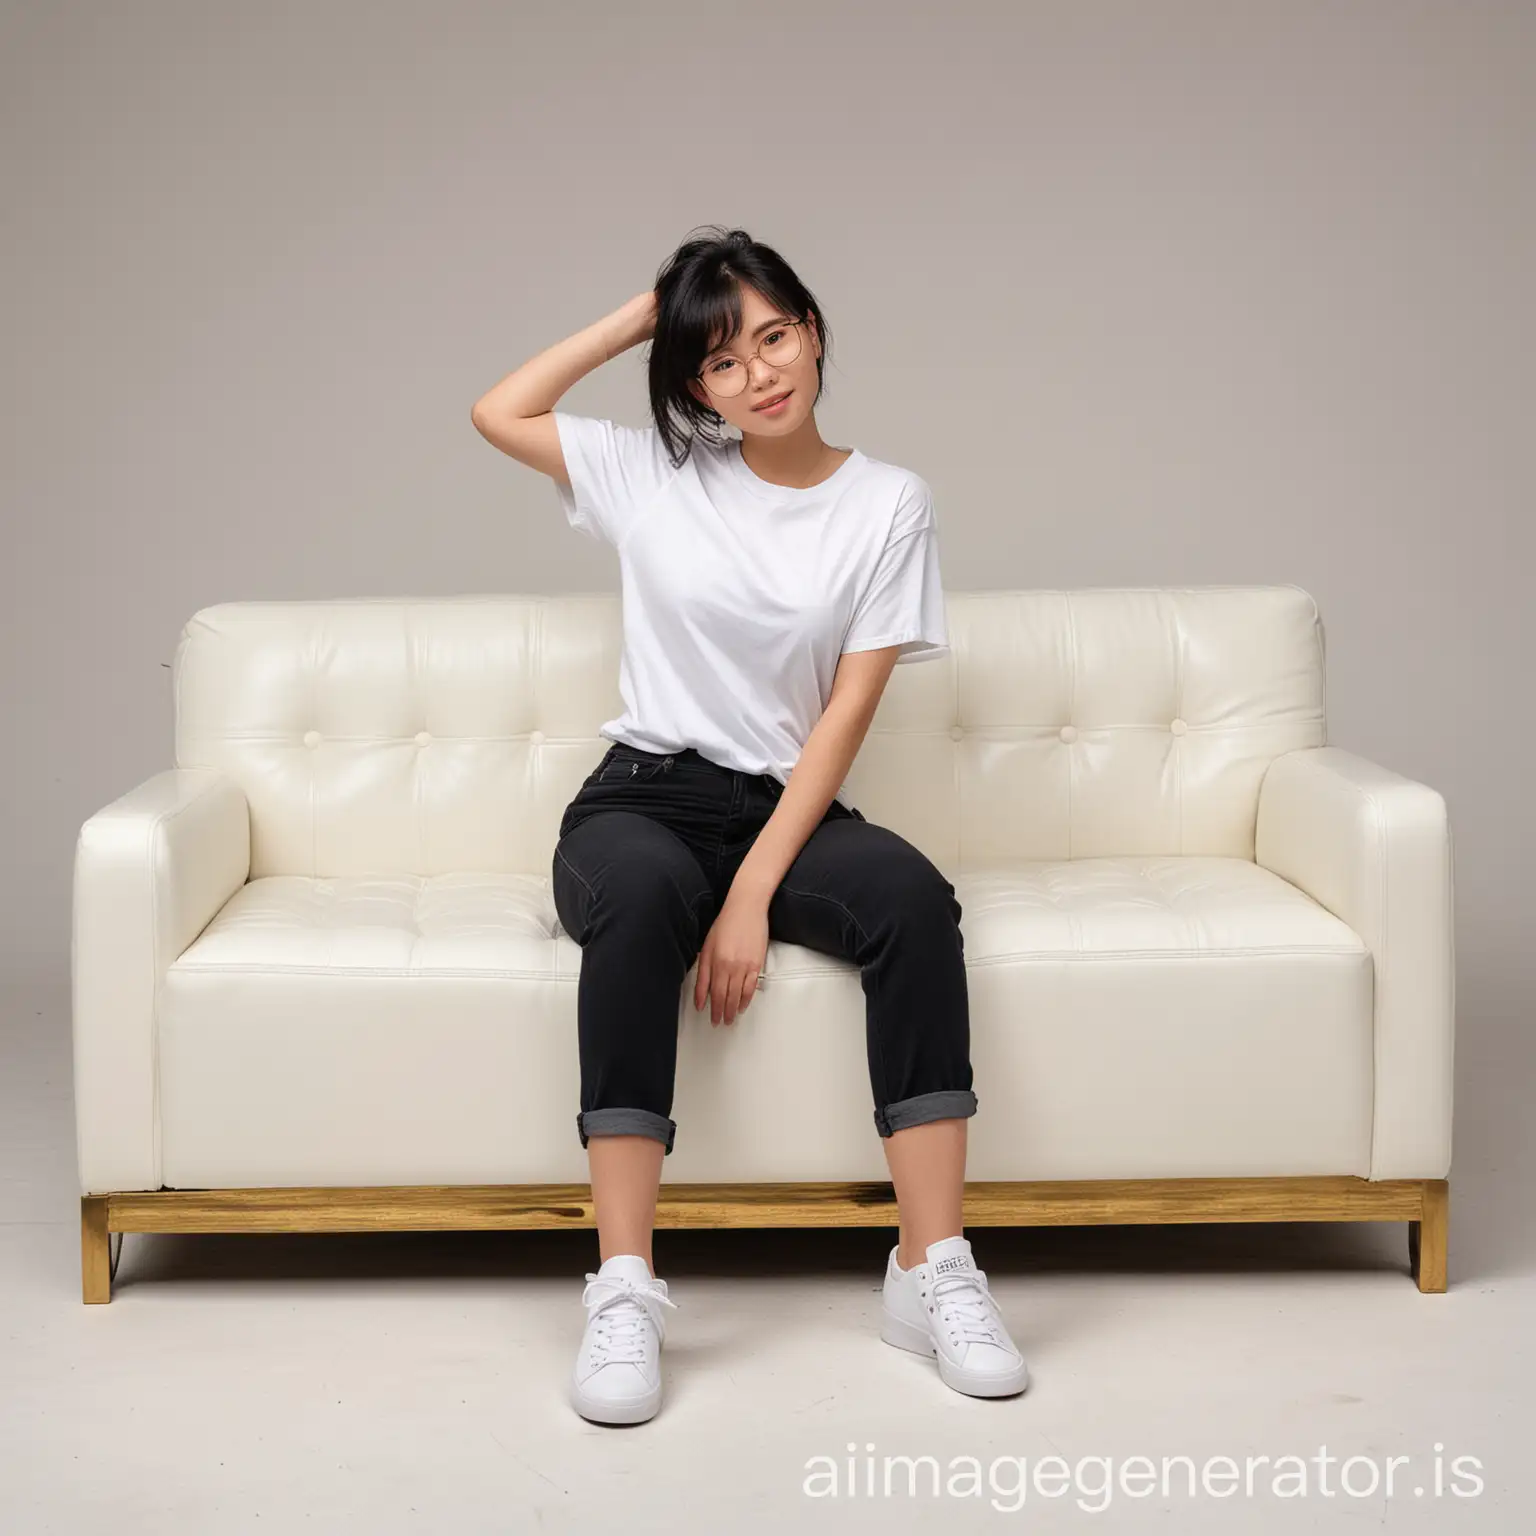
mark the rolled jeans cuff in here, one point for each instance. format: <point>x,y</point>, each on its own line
<point>943,1104</point>
<point>625,1122</point>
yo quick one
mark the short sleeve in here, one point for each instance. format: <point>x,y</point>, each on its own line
<point>615,471</point>
<point>903,602</point>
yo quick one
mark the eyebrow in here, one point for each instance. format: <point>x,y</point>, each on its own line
<point>766,325</point>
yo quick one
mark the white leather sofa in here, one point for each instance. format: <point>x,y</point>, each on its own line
<point>319,982</point>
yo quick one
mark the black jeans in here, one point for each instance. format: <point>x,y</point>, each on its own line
<point>645,858</point>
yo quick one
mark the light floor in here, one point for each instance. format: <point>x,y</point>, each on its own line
<point>416,1382</point>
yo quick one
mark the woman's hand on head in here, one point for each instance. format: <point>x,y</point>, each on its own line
<point>648,305</point>
<point>633,322</point>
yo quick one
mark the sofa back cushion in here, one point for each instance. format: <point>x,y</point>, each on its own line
<point>436,735</point>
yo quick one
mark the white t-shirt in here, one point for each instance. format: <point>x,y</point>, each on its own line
<point>738,596</point>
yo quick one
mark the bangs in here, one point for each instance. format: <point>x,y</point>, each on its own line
<point>718,319</point>
<point>715,317</point>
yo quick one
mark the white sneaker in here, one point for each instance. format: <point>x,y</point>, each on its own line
<point>617,1377</point>
<point>943,1308</point>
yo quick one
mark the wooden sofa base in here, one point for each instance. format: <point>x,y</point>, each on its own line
<point>1422,1203</point>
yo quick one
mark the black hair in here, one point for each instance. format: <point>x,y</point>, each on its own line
<point>698,308</point>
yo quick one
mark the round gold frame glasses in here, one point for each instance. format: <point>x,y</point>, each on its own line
<point>727,376</point>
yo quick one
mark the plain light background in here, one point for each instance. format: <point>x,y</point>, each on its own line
<point>1152,292</point>
<point>1170,293</point>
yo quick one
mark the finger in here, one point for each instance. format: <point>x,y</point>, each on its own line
<point>733,994</point>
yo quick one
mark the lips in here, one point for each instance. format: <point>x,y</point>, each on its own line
<point>773,400</point>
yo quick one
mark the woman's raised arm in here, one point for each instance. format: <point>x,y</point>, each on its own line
<point>516,414</point>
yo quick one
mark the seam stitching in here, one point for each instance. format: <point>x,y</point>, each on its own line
<point>585,883</point>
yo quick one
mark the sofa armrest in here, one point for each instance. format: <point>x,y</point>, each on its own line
<point>152,869</point>
<point>1374,848</point>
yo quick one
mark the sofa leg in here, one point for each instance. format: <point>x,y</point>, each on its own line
<point>1428,1237</point>
<point>95,1249</point>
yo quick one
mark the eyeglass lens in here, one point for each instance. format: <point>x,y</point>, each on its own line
<point>778,348</point>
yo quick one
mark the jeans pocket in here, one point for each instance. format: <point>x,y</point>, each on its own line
<point>629,769</point>
<point>617,768</point>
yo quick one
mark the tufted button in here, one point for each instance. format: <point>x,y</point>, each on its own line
<point>423,737</point>
<point>1177,726</point>
<point>311,738</point>
<point>957,733</point>
<point>1069,733</point>
<point>536,738</point>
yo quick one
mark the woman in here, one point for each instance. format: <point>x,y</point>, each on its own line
<point>770,583</point>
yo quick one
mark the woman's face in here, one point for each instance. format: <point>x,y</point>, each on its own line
<point>737,363</point>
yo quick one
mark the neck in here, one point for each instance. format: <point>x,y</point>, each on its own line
<point>799,459</point>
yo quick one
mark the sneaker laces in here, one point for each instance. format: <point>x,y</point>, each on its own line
<point>968,1307</point>
<point>624,1308</point>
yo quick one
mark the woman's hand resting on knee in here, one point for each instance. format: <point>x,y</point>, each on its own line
<point>732,957</point>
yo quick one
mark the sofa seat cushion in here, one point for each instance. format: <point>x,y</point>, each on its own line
<point>1130,1017</point>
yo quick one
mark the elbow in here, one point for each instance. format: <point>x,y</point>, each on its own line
<point>481,418</point>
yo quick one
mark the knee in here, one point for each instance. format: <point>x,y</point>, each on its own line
<point>919,892</point>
